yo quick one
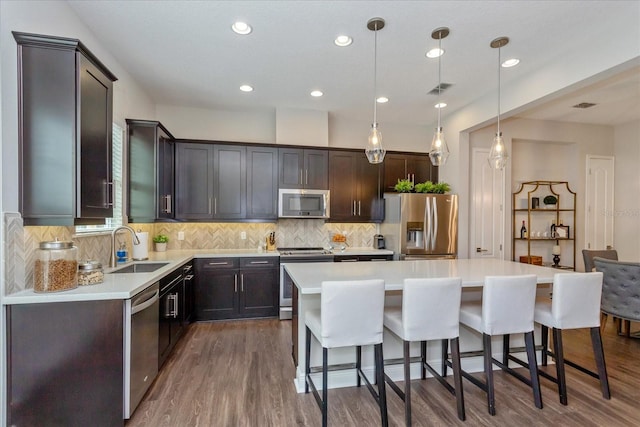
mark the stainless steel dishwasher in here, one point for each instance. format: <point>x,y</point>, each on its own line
<point>141,346</point>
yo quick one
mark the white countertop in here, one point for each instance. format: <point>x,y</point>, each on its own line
<point>309,276</point>
<point>126,285</point>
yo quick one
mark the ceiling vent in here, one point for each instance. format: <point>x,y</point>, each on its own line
<point>584,105</point>
<point>442,86</point>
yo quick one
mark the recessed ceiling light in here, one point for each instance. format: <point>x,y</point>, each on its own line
<point>382,99</point>
<point>440,105</point>
<point>510,62</point>
<point>241,28</point>
<point>343,41</point>
<point>246,88</point>
<point>316,93</point>
<point>435,52</point>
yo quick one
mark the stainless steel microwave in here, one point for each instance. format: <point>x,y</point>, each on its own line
<point>298,203</point>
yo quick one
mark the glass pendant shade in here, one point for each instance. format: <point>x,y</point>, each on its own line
<point>374,151</point>
<point>498,155</point>
<point>439,152</point>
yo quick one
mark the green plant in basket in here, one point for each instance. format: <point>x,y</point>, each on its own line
<point>160,238</point>
<point>425,187</point>
<point>404,186</point>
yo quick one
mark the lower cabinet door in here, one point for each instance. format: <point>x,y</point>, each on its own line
<point>216,295</point>
<point>259,292</point>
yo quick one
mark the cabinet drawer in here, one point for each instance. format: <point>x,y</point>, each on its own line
<point>260,262</point>
<point>205,264</point>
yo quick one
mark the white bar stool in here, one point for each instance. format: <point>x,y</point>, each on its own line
<point>430,311</point>
<point>506,308</point>
<point>575,304</point>
<point>350,314</point>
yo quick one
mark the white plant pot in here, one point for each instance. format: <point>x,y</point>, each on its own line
<point>160,247</point>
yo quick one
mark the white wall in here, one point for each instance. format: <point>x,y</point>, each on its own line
<point>218,125</point>
<point>627,191</point>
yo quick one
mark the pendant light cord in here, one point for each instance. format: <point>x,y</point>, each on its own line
<point>375,73</point>
<point>439,77</point>
<point>499,51</point>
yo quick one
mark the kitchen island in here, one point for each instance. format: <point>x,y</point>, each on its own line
<point>308,278</point>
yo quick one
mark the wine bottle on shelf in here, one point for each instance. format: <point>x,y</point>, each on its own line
<point>523,231</point>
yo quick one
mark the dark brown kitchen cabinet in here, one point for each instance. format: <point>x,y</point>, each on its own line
<point>355,188</point>
<point>150,171</point>
<point>231,288</point>
<point>65,99</point>
<point>65,363</point>
<point>262,182</point>
<point>414,167</point>
<point>194,181</point>
<point>303,168</point>
<point>229,182</point>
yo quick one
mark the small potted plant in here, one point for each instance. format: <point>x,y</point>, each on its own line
<point>160,242</point>
<point>404,186</point>
<point>430,187</point>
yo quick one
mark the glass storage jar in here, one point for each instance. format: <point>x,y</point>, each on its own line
<point>56,267</point>
<point>90,273</point>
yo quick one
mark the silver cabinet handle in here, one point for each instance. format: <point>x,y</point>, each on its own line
<point>109,195</point>
<point>241,282</point>
<point>259,262</point>
<point>354,207</point>
<point>209,207</point>
<point>306,177</point>
<point>359,208</point>
<point>219,263</point>
<point>301,177</point>
<point>235,283</point>
<point>215,205</point>
<point>168,201</point>
<point>175,305</point>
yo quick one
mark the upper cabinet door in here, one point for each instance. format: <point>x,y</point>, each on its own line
<point>316,169</point>
<point>165,194</point>
<point>65,96</point>
<point>414,167</point>
<point>194,181</point>
<point>262,183</point>
<point>370,204</point>
<point>290,168</point>
<point>230,182</point>
<point>343,185</point>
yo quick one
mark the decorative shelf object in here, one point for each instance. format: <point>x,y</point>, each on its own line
<point>545,223</point>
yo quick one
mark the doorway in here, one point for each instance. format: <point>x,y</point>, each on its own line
<point>599,190</point>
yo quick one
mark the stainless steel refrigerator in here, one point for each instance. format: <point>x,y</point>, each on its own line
<point>421,226</point>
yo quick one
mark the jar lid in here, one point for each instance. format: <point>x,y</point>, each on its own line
<point>90,265</point>
<point>56,244</point>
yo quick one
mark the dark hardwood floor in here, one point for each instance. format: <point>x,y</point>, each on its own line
<point>240,373</point>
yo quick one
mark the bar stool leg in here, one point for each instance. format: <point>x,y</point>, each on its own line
<point>603,320</point>
<point>307,360</point>
<point>358,364</point>
<point>423,359</point>
<point>505,349</point>
<point>544,333</point>
<point>445,354</point>
<point>324,386</point>
<point>457,377</point>
<point>598,353</point>
<point>407,383</point>
<point>533,369</point>
<point>488,372</point>
<point>382,395</point>
<point>558,348</point>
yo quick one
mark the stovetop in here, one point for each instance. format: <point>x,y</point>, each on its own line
<point>298,251</point>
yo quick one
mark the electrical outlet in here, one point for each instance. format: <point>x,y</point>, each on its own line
<point>180,235</point>
<point>243,235</point>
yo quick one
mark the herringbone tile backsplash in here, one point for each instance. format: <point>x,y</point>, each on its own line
<point>21,242</point>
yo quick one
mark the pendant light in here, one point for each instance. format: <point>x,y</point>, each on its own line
<point>439,152</point>
<point>498,155</point>
<point>374,151</point>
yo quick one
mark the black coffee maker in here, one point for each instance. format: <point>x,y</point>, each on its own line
<point>378,241</point>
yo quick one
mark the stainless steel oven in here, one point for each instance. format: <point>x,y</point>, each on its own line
<point>296,255</point>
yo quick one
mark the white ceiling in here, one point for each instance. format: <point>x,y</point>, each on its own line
<point>184,53</point>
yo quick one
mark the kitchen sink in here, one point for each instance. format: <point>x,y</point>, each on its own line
<point>143,267</point>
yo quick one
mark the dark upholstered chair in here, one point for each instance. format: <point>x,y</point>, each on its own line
<point>589,255</point>
<point>620,290</point>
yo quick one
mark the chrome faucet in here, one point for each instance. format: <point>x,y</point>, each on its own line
<point>136,241</point>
